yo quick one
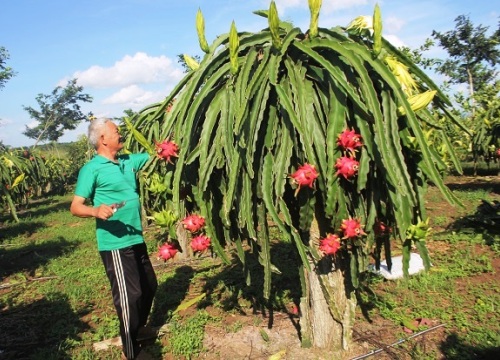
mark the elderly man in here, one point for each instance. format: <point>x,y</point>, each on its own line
<point>109,180</point>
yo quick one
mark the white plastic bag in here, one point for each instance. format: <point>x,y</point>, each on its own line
<point>416,265</point>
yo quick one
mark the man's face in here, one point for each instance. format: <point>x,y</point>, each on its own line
<point>111,136</point>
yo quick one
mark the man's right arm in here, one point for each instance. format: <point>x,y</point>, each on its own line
<point>78,208</point>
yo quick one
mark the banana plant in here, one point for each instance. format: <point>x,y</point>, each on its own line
<point>262,126</point>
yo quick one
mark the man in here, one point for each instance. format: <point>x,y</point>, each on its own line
<point>109,180</point>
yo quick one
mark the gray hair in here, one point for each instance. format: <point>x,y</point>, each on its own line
<point>95,130</point>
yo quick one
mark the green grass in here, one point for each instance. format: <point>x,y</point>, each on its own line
<point>187,335</point>
<point>55,300</point>
<point>461,290</point>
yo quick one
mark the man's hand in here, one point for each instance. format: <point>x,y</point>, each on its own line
<point>104,212</point>
<point>78,208</point>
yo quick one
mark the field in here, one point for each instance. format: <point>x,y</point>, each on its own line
<point>55,302</point>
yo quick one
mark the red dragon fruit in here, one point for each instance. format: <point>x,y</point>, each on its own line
<point>381,228</point>
<point>349,140</point>
<point>166,150</point>
<point>193,223</point>
<point>351,228</point>
<point>347,167</point>
<point>167,251</point>
<point>330,244</point>
<point>305,175</point>
<point>200,243</point>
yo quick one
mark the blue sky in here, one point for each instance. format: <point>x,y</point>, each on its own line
<point>124,52</point>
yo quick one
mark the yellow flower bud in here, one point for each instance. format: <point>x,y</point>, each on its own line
<point>314,7</point>
<point>274,25</point>
<point>190,62</point>
<point>234,44</point>
<point>200,29</point>
<point>400,71</point>
<point>418,101</point>
<point>377,31</point>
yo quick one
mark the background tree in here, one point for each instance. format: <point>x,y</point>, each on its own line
<point>473,54</point>
<point>486,125</point>
<point>79,152</point>
<point>6,72</point>
<point>473,59</point>
<point>59,111</point>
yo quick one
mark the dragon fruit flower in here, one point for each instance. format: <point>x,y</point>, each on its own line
<point>349,140</point>
<point>351,228</point>
<point>305,175</point>
<point>200,243</point>
<point>193,223</point>
<point>167,251</point>
<point>166,150</point>
<point>347,167</point>
<point>330,244</point>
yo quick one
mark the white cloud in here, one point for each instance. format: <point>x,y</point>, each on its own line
<point>6,122</point>
<point>331,5</point>
<point>134,96</point>
<point>327,6</point>
<point>32,124</point>
<point>282,5</point>
<point>393,24</point>
<point>395,40</point>
<point>137,69</point>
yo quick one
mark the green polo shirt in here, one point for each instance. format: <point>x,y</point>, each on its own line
<point>107,182</point>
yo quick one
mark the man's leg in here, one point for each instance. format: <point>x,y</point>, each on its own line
<point>124,276</point>
<point>148,282</point>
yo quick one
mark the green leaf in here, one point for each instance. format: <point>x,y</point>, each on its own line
<point>406,257</point>
<point>424,253</point>
<point>353,262</point>
<point>265,249</point>
<point>246,207</point>
<point>282,157</point>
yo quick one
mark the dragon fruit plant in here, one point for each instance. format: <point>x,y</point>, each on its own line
<point>318,131</point>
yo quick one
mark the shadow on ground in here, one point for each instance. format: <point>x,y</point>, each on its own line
<point>46,328</point>
<point>455,348</point>
<point>28,258</point>
<point>170,294</point>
